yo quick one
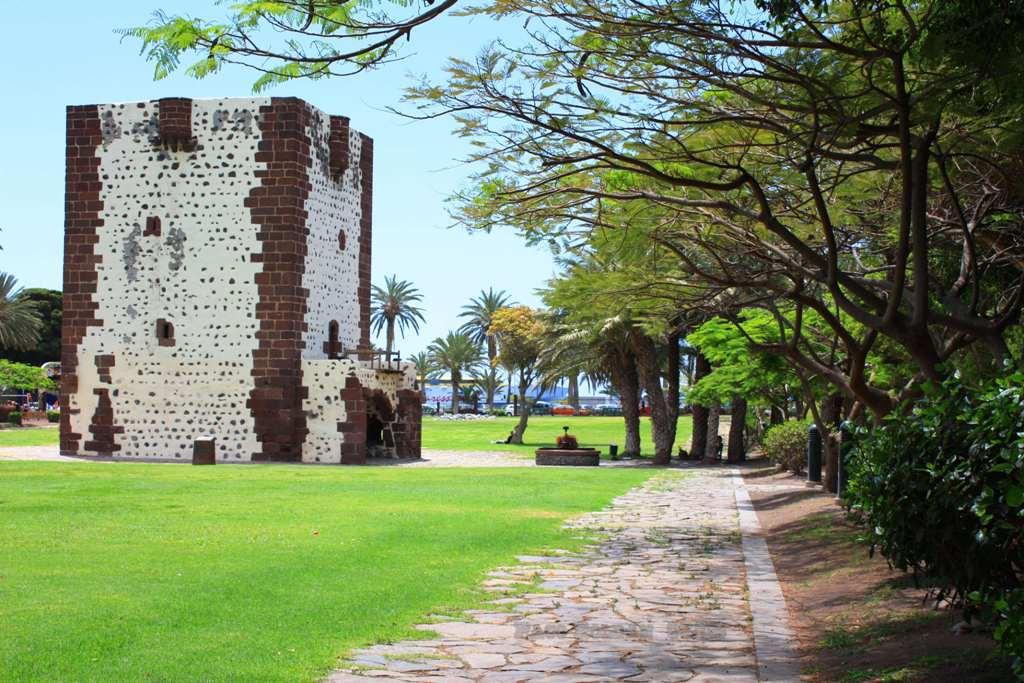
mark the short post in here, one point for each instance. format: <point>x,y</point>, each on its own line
<point>204,451</point>
<point>813,454</point>
<point>845,444</point>
<point>613,451</point>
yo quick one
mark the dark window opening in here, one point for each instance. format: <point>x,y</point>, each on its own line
<point>164,332</point>
<point>341,240</point>
<point>333,345</point>
<point>152,227</point>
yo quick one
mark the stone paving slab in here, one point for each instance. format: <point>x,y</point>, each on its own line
<point>661,598</point>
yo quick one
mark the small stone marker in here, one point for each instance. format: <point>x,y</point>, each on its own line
<point>204,451</point>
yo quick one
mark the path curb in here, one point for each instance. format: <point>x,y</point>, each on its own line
<point>773,639</point>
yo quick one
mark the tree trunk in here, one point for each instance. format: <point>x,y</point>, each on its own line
<point>711,448</point>
<point>698,443</point>
<point>672,388</point>
<point>455,395</point>
<point>777,416</point>
<point>492,352</point>
<point>737,430</point>
<point>832,410</point>
<point>627,383</point>
<point>524,413</point>
<point>574,390</point>
<point>390,338</point>
<point>830,447</point>
<point>650,377</point>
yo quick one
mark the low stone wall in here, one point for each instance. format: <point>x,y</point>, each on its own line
<point>580,457</point>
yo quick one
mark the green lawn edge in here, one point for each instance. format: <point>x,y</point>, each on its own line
<point>276,572</point>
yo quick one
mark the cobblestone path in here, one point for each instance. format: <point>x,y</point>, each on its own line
<point>662,598</point>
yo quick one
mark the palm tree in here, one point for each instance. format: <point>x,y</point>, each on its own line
<point>425,367</point>
<point>20,325</point>
<point>488,381</point>
<point>394,304</point>
<point>480,311</point>
<point>602,352</point>
<point>456,353</point>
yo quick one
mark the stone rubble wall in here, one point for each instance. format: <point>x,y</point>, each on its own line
<point>341,395</point>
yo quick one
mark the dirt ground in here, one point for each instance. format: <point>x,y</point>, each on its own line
<point>855,619</point>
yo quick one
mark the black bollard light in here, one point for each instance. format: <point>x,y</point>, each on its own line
<point>613,451</point>
<point>813,454</point>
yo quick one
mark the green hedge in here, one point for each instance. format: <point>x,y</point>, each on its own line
<point>786,445</point>
<point>940,490</point>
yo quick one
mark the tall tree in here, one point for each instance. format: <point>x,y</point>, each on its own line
<point>839,162</point>
<point>699,411</point>
<point>520,333</point>
<point>648,357</point>
<point>394,304</point>
<point>20,325</point>
<point>599,349</point>
<point>480,313</point>
<point>457,354</point>
<point>425,368</point>
<point>488,381</point>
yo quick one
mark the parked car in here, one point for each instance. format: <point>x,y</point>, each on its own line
<point>563,409</point>
<point>510,409</point>
<point>584,411</point>
<point>540,408</point>
<point>428,409</point>
<point>607,409</point>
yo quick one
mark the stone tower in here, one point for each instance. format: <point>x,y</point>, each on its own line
<point>217,283</point>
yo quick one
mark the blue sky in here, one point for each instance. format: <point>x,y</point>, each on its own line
<point>74,57</point>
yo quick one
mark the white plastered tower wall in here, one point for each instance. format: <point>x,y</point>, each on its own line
<point>176,313</point>
<point>331,274</point>
<point>196,274</point>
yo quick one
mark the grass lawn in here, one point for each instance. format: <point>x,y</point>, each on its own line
<point>597,431</point>
<point>30,436</point>
<point>133,571</point>
<point>471,435</point>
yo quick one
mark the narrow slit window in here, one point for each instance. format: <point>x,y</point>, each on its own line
<point>152,227</point>
<point>333,345</point>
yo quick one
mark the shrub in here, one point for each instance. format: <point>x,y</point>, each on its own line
<point>14,417</point>
<point>786,445</point>
<point>567,441</point>
<point>498,412</point>
<point>53,415</point>
<point>940,490</point>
